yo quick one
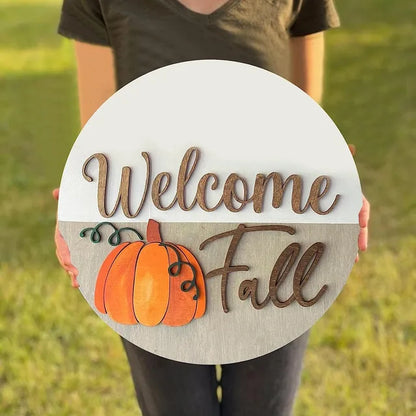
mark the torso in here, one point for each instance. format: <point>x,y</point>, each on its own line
<point>149,34</point>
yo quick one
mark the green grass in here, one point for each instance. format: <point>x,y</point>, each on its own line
<point>361,357</point>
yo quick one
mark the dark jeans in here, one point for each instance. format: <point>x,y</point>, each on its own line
<point>264,386</point>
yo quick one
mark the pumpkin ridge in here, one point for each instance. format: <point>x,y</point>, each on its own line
<point>201,304</point>
<point>169,300</point>
<point>134,278</point>
<point>178,247</point>
<point>106,277</point>
<point>151,314</point>
<point>127,247</point>
<point>171,319</point>
<point>187,260</point>
<point>194,271</point>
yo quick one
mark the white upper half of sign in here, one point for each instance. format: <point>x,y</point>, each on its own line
<point>243,120</point>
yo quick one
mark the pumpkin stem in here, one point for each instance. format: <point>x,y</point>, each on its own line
<point>153,232</point>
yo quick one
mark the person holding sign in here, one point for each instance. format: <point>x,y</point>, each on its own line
<point>116,42</point>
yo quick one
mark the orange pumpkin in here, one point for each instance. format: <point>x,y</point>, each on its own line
<point>151,283</point>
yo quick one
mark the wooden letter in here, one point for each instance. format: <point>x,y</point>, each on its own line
<point>248,288</point>
<point>228,268</point>
<point>185,173</point>
<point>230,193</point>
<point>201,193</point>
<point>279,187</point>
<point>316,194</point>
<point>280,270</point>
<point>123,196</point>
<point>303,271</point>
<point>159,187</point>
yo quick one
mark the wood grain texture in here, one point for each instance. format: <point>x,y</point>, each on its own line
<point>244,332</point>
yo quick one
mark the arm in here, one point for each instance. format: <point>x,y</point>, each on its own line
<point>96,77</point>
<point>307,72</point>
<point>96,83</point>
<point>307,63</point>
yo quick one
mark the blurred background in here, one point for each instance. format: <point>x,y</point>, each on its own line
<point>58,358</point>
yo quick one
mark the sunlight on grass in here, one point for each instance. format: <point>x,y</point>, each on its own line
<point>54,3</point>
<point>40,60</point>
<point>365,341</point>
<point>48,357</point>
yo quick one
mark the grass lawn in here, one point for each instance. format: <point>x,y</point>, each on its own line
<point>361,358</point>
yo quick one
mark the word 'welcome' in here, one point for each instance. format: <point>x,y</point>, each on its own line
<point>232,199</point>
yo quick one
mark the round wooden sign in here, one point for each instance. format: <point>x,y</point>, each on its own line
<point>211,208</point>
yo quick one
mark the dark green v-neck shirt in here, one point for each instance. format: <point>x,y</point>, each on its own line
<point>148,34</point>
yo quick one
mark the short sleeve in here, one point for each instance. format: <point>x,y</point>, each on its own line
<point>313,16</point>
<point>83,20</point>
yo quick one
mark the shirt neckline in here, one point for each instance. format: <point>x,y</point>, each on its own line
<point>202,17</point>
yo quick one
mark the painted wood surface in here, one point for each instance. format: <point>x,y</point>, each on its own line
<point>202,147</point>
<point>244,332</point>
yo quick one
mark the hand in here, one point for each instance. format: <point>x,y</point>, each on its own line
<point>363,218</point>
<point>62,251</point>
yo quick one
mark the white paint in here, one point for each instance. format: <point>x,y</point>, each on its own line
<point>243,119</point>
